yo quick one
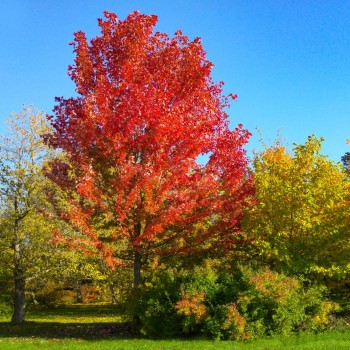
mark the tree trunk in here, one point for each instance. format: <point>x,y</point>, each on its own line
<point>35,302</point>
<point>137,259</point>
<point>19,297</point>
<point>78,293</point>
<point>137,270</point>
<point>19,305</point>
<point>112,293</point>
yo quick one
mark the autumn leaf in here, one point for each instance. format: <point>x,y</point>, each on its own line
<point>147,107</point>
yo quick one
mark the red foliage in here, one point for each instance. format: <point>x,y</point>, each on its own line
<point>147,107</point>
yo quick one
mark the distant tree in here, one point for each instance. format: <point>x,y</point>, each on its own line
<point>24,231</point>
<point>301,216</point>
<point>146,109</point>
<point>345,159</point>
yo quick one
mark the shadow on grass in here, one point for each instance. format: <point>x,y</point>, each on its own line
<point>72,322</point>
<point>57,330</point>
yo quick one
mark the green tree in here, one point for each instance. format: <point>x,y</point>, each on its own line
<point>76,269</point>
<point>345,159</point>
<point>300,218</point>
<point>25,232</point>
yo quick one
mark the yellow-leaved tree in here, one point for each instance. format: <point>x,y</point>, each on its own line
<point>300,221</point>
<point>25,248</point>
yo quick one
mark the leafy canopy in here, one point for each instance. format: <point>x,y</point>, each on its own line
<point>301,214</point>
<point>146,108</point>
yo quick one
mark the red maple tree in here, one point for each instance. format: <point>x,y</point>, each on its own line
<point>146,108</point>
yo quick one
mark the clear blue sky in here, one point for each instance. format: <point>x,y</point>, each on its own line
<point>288,61</point>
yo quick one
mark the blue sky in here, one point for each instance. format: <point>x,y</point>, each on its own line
<point>288,61</point>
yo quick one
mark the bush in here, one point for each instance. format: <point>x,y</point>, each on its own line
<point>52,294</point>
<point>273,303</point>
<point>228,303</point>
<point>90,293</point>
<point>226,322</point>
<point>179,301</point>
<point>153,306</point>
<point>192,308</point>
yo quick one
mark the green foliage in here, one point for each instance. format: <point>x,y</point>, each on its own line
<point>154,305</point>
<point>52,294</point>
<point>5,295</point>
<point>225,322</point>
<point>25,233</point>
<point>229,303</point>
<point>115,284</point>
<point>345,159</point>
<point>278,304</point>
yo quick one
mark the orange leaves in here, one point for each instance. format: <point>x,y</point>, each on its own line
<point>274,285</point>
<point>86,188</point>
<point>192,304</point>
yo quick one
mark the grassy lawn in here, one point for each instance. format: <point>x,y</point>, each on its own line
<point>102,327</point>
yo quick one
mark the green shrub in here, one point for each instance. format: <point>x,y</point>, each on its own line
<point>52,294</point>
<point>228,303</point>
<point>272,304</point>
<point>153,306</point>
<point>318,310</point>
<point>5,309</point>
<point>225,322</point>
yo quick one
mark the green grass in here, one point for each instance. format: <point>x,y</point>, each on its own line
<point>326,341</point>
<point>103,327</point>
<point>76,321</point>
